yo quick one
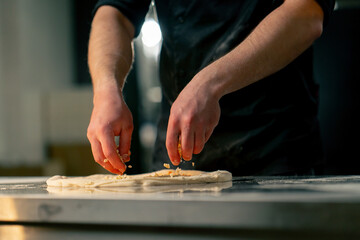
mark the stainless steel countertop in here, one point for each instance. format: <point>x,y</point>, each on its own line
<point>330,204</point>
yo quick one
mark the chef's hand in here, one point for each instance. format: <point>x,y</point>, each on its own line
<point>110,117</point>
<point>193,117</point>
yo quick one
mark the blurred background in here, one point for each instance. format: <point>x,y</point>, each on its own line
<point>46,93</point>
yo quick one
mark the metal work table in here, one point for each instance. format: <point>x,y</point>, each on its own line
<point>247,208</point>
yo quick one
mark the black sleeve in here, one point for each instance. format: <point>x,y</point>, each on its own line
<point>134,10</point>
<point>328,8</point>
<point>326,5</point>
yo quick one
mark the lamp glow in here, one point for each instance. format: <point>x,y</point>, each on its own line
<point>151,33</point>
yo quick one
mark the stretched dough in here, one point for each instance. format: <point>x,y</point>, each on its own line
<point>161,177</point>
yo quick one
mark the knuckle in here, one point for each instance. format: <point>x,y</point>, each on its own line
<point>89,136</point>
<point>90,132</point>
<point>101,129</point>
<point>188,120</point>
<point>129,127</point>
<point>131,119</point>
<point>173,121</point>
<point>174,109</point>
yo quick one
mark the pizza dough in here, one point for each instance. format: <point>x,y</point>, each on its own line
<point>158,178</point>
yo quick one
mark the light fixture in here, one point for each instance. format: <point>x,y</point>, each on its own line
<point>151,33</point>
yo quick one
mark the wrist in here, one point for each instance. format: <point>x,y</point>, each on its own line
<point>212,80</point>
<point>106,89</point>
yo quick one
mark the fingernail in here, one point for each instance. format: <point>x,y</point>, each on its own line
<point>126,157</point>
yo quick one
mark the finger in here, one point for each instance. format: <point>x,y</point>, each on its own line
<point>172,139</point>
<point>99,157</point>
<point>187,143</point>
<point>208,134</point>
<point>109,149</point>
<point>125,144</point>
<point>199,142</point>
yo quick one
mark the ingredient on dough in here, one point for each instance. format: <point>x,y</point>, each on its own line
<point>166,165</point>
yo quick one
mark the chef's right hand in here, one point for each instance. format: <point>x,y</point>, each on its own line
<point>110,117</point>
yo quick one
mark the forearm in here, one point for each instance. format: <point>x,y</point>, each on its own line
<point>110,57</point>
<point>281,37</point>
<point>110,52</point>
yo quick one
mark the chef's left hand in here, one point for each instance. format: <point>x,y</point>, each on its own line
<point>193,117</point>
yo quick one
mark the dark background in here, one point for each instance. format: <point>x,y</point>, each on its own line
<point>337,66</point>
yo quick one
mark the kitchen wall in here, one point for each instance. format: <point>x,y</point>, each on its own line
<point>39,103</point>
<point>45,89</point>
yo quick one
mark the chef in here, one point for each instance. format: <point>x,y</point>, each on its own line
<point>237,82</point>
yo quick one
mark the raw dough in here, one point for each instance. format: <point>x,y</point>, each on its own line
<point>162,177</point>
